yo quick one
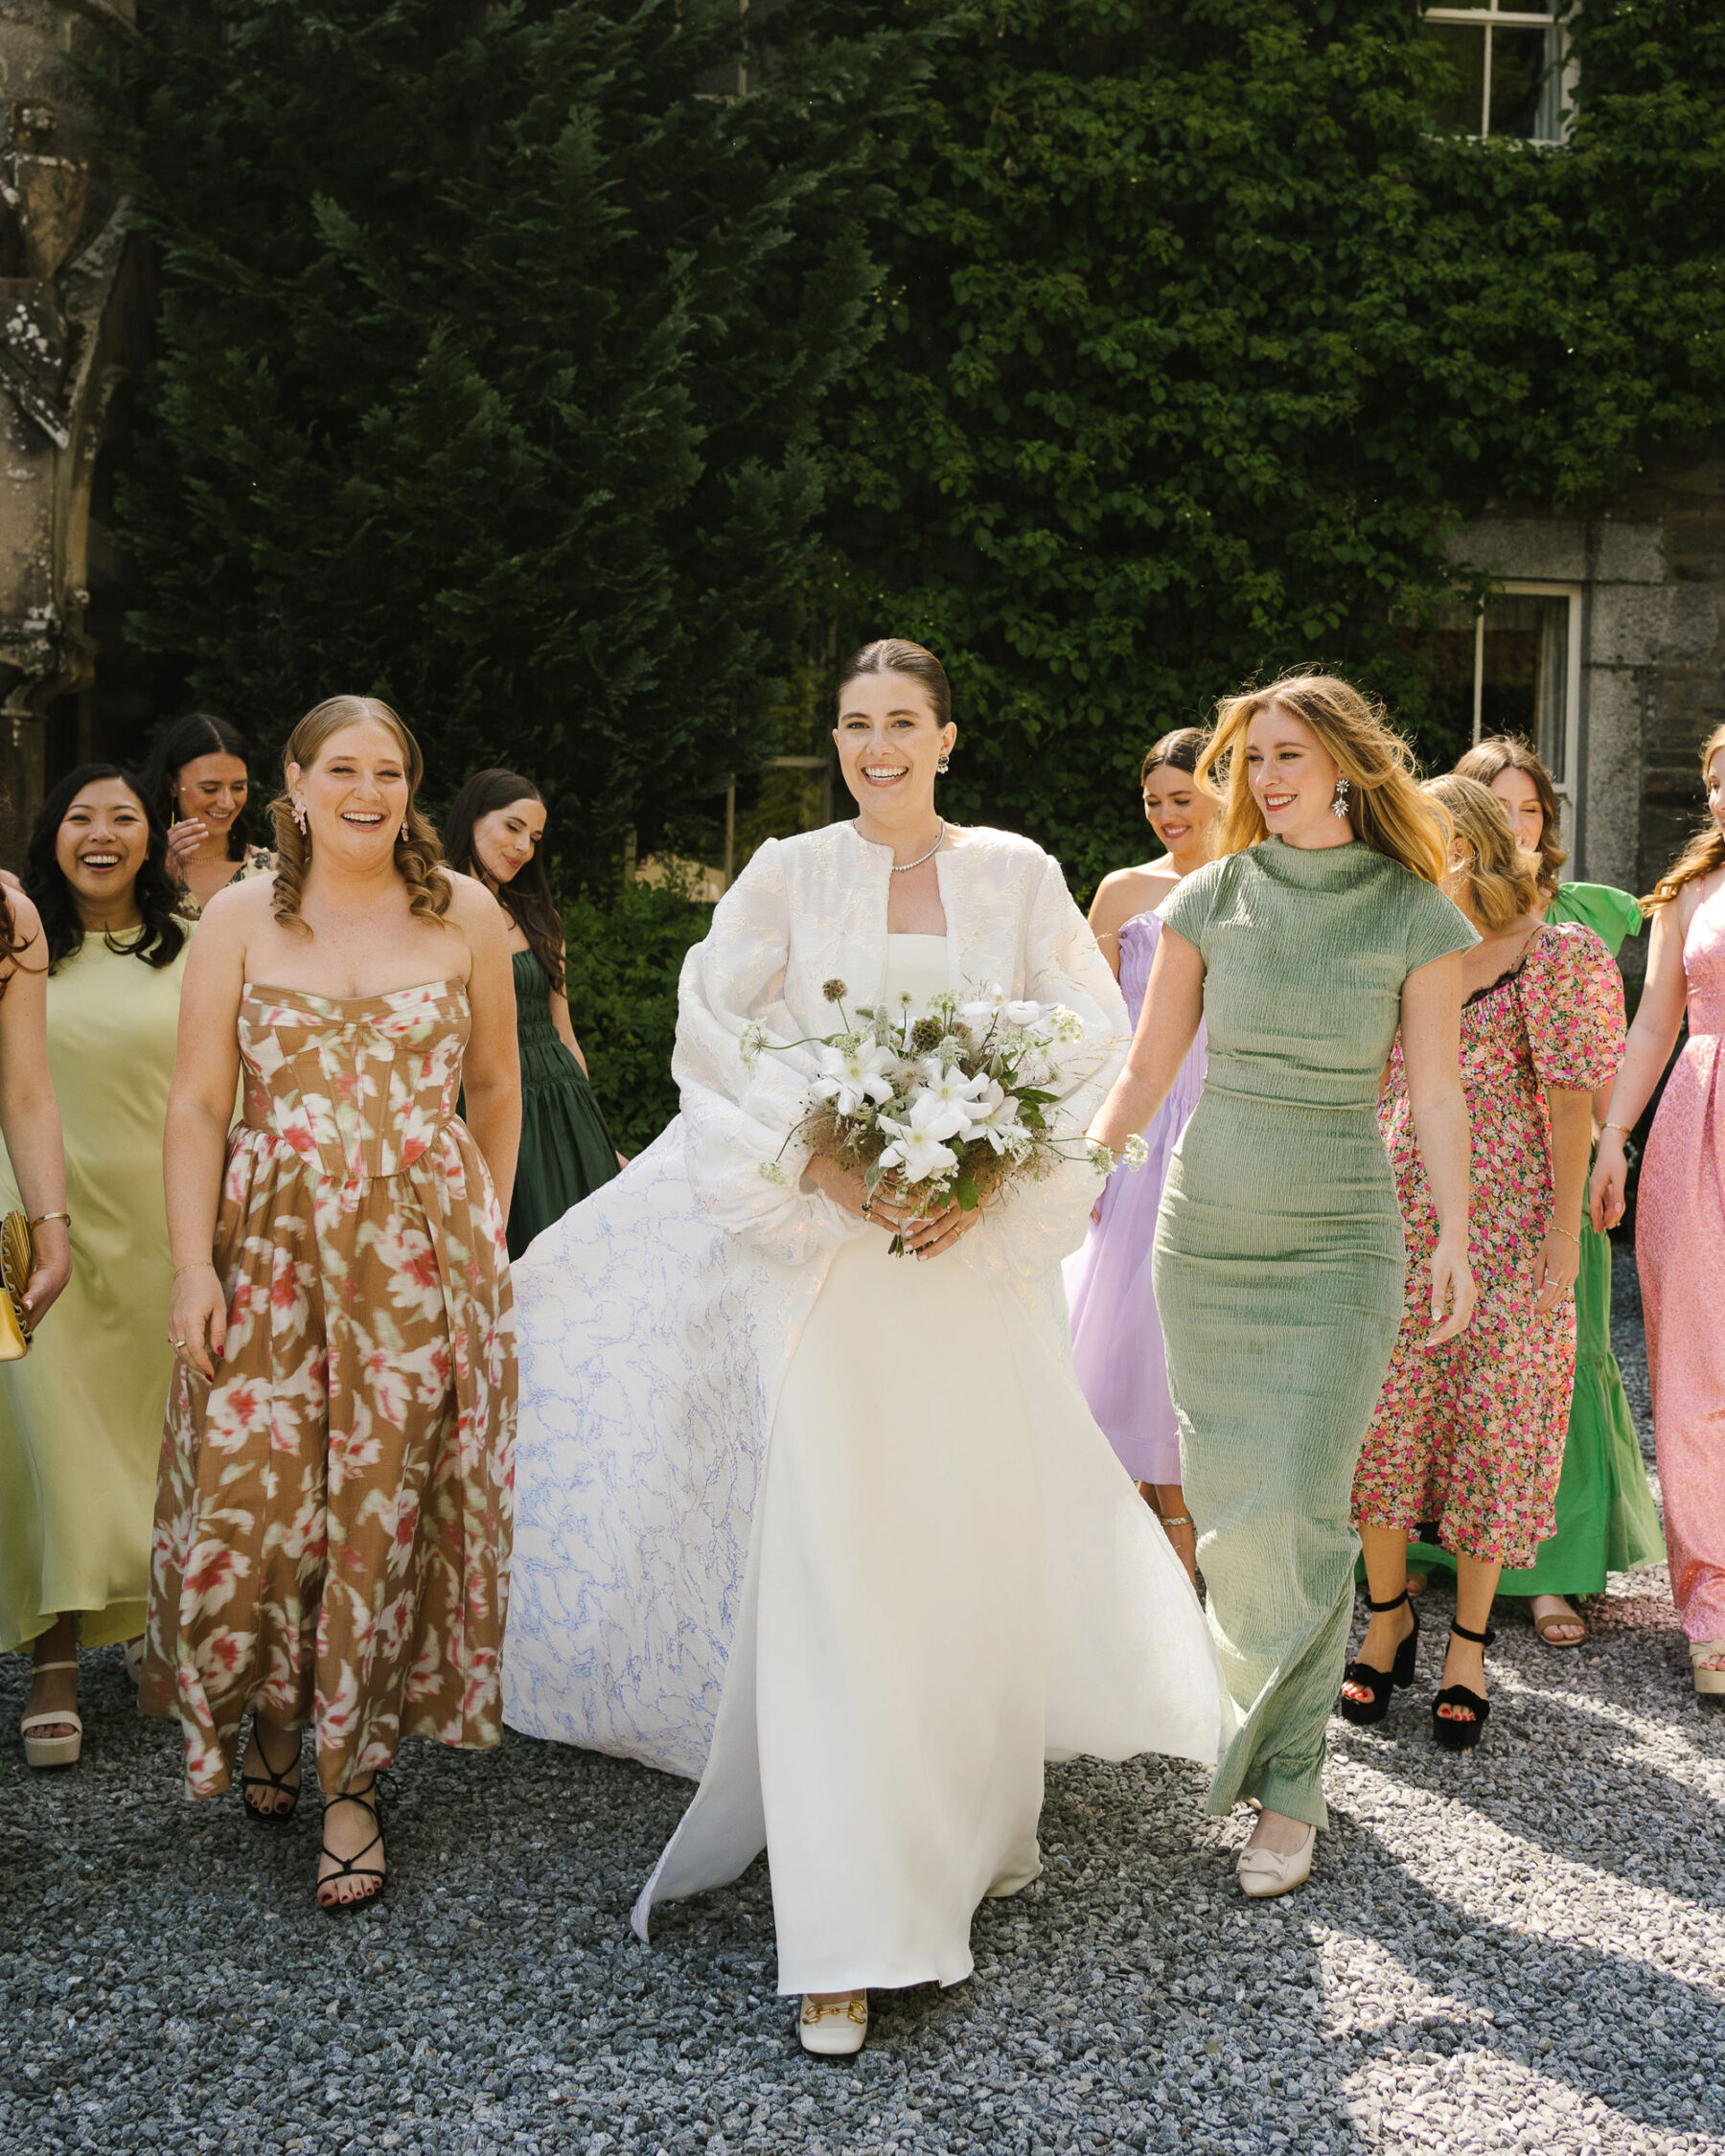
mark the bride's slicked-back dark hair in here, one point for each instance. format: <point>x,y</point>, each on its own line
<point>893,654</point>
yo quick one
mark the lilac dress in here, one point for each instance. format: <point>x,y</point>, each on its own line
<point>1116,1334</point>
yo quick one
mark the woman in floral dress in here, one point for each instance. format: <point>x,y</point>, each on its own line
<point>1469,1437</point>
<point>332,1513</point>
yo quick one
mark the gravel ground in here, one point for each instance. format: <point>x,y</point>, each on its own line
<point>1523,1949</point>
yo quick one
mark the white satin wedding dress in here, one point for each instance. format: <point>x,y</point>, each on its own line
<point>831,1530</point>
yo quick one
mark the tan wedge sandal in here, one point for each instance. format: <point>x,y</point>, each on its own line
<point>1709,1682</point>
<point>56,1750</point>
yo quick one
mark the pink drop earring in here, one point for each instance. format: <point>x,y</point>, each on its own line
<point>298,811</point>
<point>403,831</point>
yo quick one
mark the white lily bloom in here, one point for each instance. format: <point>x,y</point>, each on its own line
<point>1021,1013</point>
<point>918,1151</point>
<point>945,1081</point>
<point>994,1117</point>
<point>849,1076</point>
<point>985,1008</point>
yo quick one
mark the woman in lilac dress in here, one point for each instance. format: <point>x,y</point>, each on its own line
<point>1116,1335</point>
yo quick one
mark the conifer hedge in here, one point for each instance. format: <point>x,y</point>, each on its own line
<point>511,365</point>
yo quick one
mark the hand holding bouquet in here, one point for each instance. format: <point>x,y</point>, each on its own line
<point>943,1106</point>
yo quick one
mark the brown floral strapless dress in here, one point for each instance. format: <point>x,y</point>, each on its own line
<point>332,1514</point>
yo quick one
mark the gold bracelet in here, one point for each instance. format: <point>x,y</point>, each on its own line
<point>41,1220</point>
<point>1554,1229</point>
<point>1628,1129</point>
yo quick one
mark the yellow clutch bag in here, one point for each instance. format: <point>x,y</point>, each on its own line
<point>17,1262</point>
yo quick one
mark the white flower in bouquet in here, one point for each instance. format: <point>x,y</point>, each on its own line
<point>854,1070</point>
<point>993,1116</point>
<point>946,1083</point>
<point>919,1150</point>
<point>1023,1014</point>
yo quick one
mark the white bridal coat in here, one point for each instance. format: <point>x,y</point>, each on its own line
<point>658,1322</point>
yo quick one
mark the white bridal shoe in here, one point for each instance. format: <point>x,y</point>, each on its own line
<point>1263,1875</point>
<point>833,2027</point>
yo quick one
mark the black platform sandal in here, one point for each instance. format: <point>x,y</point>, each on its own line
<point>1381,1683</point>
<point>273,1777</point>
<point>1457,1736</point>
<point>350,1867</point>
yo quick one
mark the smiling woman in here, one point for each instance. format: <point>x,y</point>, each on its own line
<point>332,1516</point>
<point>81,1417</point>
<point>196,782</point>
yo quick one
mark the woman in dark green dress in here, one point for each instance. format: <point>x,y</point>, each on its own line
<point>1606,1517</point>
<point>493,832</point>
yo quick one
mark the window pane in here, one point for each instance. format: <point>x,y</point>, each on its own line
<point>1457,97</point>
<point>1522,63</point>
<point>1525,689</point>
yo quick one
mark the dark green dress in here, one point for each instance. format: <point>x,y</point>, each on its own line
<point>1606,1521</point>
<point>566,1152</point>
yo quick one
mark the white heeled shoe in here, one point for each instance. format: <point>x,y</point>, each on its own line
<point>833,2027</point>
<point>1263,1875</point>
<point>59,1750</point>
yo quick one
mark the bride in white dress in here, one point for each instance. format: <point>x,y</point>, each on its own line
<point>832,1532</point>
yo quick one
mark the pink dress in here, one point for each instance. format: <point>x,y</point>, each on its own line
<point>1680,1253</point>
<point>1470,1437</point>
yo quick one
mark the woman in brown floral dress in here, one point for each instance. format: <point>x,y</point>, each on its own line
<point>332,1511</point>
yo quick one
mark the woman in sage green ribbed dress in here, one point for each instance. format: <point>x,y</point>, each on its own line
<point>1280,1264</point>
<point>493,832</point>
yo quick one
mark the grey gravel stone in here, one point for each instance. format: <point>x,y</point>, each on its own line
<point>1519,1949</point>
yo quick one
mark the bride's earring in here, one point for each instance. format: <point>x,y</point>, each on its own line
<point>1338,806</point>
<point>298,811</point>
<point>943,763</point>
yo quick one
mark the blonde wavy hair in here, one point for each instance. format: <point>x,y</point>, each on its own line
<point>1503,878</point>
<point>418,857</point>
<point>1705,851</point>
<point>1386,805</point>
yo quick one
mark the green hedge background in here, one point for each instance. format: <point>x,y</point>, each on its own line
<point>584,377</point>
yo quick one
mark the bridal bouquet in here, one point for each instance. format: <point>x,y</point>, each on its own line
<point>948,1103</point>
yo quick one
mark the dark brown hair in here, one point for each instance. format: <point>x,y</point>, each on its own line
<point>1489,760</point>
<point>527,899</point>
<point>157,940</point>
<point>891,655</point>
<point>1181,748</point>
<point>199,733</point>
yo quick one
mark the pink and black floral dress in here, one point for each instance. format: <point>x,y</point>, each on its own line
<point>1470,1435</point>
<point>332,1514</point>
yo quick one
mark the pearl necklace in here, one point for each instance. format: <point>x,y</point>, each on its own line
<point>904,867</point>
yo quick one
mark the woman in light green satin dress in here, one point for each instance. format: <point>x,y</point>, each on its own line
<point>1280,1263</point>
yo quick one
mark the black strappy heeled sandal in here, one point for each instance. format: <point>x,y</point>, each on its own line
<point>273,1777</point>
<point>1459,1736</point>
<point>350,1867</point>
<point>1381,1683</point>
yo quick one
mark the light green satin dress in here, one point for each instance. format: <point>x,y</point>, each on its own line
<point>1279,1268</point>
<point>81,1416</point>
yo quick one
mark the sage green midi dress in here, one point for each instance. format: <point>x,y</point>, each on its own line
<point>1279,1268</point>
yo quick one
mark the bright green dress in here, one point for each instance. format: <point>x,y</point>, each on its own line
<point>566,1152</point>
<point>81,1416</point>
<point>1279,1267</point>
<point>1606,1519</point>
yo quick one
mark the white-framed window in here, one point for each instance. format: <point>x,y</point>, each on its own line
<point>1526,680</point>
<point>1505,69</point>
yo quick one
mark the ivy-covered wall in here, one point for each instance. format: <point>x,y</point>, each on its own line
<point>1121,352</point>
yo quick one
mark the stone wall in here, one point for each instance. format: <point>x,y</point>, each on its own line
<point>1651,571</point>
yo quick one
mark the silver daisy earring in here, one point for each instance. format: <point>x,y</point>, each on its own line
<point>298,811</point>
<point>1338,806</point>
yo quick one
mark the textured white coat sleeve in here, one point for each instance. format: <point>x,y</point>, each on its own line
<point>1036,1223</point>
<point>736,1120</point>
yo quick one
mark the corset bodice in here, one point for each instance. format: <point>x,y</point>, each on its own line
<point>357,1086</point>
